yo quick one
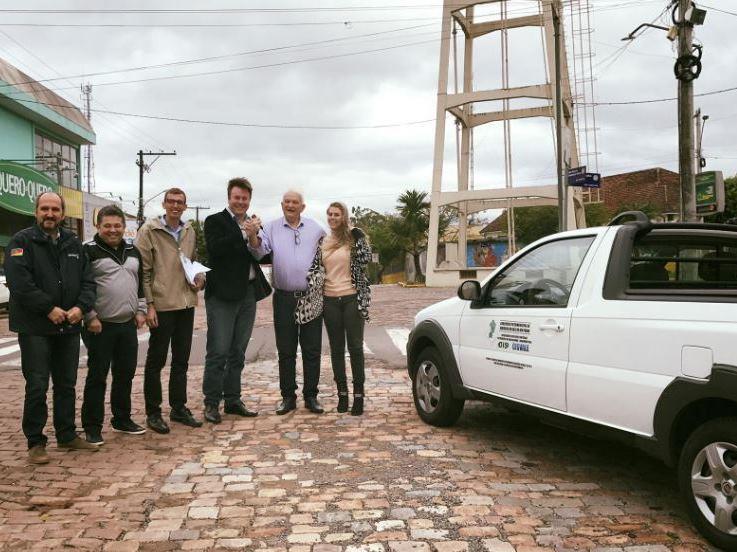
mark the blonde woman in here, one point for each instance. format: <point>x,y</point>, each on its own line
<point>338,289</point>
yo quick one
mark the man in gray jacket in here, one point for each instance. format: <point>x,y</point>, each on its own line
<point>110,327</point>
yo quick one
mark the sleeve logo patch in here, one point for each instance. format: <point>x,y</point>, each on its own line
<point>16,252</point>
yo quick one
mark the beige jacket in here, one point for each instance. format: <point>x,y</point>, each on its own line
<point>164,282</point>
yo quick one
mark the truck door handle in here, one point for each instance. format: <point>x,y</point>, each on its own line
<point>554,327</point>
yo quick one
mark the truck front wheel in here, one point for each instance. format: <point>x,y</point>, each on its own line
<point>432,392</point>
<point>707,476</point>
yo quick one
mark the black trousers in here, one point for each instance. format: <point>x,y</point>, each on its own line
<point>43,356</point>
<point>115,347</point>
<point>288,334</point>
<point>174,327</point>
<point>343,322</point>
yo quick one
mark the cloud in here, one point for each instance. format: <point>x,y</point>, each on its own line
<point>365,167</point>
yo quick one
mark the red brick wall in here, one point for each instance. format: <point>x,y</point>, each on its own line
<point>658,187</point>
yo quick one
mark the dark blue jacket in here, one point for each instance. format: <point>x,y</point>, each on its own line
<point>42,275</point>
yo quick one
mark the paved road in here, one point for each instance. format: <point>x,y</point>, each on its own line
<point>383,482</point>
<point>387,344</point>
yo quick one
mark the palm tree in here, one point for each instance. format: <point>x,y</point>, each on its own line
<point>412,227</point>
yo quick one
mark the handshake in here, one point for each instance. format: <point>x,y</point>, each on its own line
<point>251,225</point>
<point>59,315</point>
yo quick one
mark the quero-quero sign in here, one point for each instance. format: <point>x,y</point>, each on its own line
<point>19,186</point>
<point>709,187</point>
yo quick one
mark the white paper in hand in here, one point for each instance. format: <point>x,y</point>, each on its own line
<point>192,268</point>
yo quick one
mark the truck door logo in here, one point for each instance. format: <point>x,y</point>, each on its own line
<point>492,328</point>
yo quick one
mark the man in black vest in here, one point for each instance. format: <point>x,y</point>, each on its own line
<point>51,288</point>
<point>234,284</point>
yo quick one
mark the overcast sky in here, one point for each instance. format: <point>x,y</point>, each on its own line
<point>398,84</point>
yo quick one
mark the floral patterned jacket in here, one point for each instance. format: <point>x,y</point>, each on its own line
<point>309,306</point>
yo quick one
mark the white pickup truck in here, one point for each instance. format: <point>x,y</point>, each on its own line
<point>628,329</point>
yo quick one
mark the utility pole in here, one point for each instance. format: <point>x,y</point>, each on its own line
<point>700,123</point>
<point>562,199</point>
<point>143,167</point>
<point>685,118</point>
<point>197,211</point>
<point>687,69</point>
<point>87,94</point>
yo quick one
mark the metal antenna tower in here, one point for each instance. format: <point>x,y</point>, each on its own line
<point>583,90</point>
<point>89,162</point>
<point>469,108</point>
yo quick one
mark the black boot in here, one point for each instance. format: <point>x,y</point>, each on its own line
<point>357,408</point>
<point>342,401</point>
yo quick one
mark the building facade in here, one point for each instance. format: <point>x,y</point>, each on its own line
<point>41,135</point>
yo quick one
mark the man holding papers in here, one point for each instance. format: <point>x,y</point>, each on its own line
<point>234,285</point>
<point>171,300</point>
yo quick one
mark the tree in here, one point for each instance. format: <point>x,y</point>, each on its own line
<point>532,223</point>
<point>379,227</point>
<point>200,246</point>
<point>412,227</point>
<point>597,214</point>
<point>651,211</point>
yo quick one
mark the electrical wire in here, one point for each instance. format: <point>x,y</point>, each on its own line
<point>234,124</point>
<point>658,100</point>
<point>216,25</point>
<point>250,67</point>
<point>719,10</point>
<point>225,56</point>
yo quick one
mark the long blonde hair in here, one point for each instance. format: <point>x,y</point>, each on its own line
<point>343,232</point>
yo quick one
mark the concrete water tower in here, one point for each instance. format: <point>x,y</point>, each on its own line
<point>468,107</point>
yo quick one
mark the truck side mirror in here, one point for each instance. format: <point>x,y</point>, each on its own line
<point>470,290</point>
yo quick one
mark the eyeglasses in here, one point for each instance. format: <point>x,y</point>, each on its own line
<point>175,201</point>
<point>297,239</point>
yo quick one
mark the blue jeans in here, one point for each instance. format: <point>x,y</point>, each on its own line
<point>229,326</point>
<point>43,356</point>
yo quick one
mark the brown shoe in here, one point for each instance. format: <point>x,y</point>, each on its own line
<point>37,455</point>
<point>78,444</point>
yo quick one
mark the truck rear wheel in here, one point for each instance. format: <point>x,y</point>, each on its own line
<point>707,476</point>
<point>432,392</point>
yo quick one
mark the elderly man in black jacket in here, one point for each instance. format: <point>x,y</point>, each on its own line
<point>234,284</point>
<point>51,288</point>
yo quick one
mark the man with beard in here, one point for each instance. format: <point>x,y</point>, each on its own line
<point>51,288</point>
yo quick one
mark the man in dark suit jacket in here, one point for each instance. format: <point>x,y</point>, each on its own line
<point>234,284</point>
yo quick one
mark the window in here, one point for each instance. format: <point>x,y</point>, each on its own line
<point>684,262</point>
<point>57,160</point>
<point>543,277</point>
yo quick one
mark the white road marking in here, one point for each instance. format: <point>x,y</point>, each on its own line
<point>399,337</point>
<point>9,350</point>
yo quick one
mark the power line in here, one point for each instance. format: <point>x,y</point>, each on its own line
<point>216,25</point>
<point>304,9</point>
<point>235,124</point>
<point>223,56</point>
<point>719,10</point>
<point>658,100</point>
<point>252,67</point>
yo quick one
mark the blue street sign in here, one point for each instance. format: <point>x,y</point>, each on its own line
<point>576,176</point>
<point>592,180</point>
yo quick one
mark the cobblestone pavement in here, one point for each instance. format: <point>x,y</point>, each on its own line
<point>383,482</point>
